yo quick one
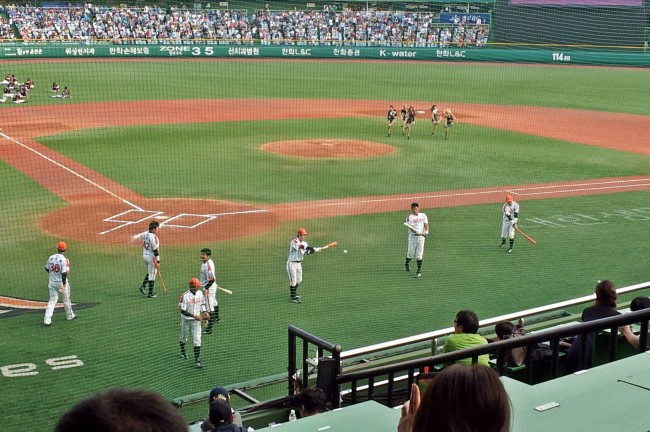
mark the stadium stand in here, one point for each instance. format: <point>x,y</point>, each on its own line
<point>154,24</point>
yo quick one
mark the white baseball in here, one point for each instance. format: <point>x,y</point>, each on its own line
<point>345,251</point>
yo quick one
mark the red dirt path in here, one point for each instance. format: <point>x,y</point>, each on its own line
<point>93,198</point>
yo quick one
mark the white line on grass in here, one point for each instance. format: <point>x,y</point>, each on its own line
<point>537,190</point>
<point>71,171</point>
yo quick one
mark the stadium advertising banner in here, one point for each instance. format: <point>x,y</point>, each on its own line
<point>586,3</point>
<point>464,18</point>
<point>449,53</point>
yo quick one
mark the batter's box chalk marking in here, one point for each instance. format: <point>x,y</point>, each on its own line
<point>202,218</point>
<point>142,215</point>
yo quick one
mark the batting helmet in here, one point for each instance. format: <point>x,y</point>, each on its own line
<point>153,225</point>
<point>61,246</point>
<point>508,198</point>
<point>302,231</point>
<point>206,251</point>
<point>194,282</point>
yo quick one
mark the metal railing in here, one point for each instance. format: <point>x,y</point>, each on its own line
<point>409,369</point>
<point>406,371</point>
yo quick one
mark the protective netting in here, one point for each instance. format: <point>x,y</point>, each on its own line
<point>181,141</point>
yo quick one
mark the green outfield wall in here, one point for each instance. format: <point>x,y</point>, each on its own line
<point>570,56</point>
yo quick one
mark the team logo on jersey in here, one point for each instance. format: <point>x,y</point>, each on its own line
<point>14,306</point>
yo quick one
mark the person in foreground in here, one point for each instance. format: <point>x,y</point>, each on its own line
<point>459,399</point>
<point>123,410</point>
<point>222,418</point>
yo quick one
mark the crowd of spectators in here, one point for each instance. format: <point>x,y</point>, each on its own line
<point>153,24</point>
<point>364,28</point>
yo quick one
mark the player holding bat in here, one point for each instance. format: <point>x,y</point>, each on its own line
<point>418,225</point>
<point>298,248</point>
<point>509,221</point>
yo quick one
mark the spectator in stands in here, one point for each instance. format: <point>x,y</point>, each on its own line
<point>637,304</point>
<point>604,307</point>
<point>220,394</point>
<point>311,401</point>
<point>465,336</point>
<point>542,352</point>
<point>459,399</point>
<point>506,330</point>
<point>221,417</point>
<point>123,410</point>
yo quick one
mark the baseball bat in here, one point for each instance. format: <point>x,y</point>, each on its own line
<point>329,245</point>
<point>411,227</point>
<point>526,236</point>
<point>162,281</point>
<point>226,290</point>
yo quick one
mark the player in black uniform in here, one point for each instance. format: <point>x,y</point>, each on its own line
<point>391,117</point>
<point>404,113</point>
<point>450,119</point>
<point>410,120</point>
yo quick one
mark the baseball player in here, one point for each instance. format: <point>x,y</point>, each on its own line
<point>151,257</point>
<point>392,114</point>
<point>510,216</point>
<point>209,285</point>
<point>297,249</point>
<point>435,118</point>
<point>193,310</point>
<point>58,267</point>
<point>420,230</point>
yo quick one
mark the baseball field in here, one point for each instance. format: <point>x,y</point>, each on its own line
<point>237,155</point>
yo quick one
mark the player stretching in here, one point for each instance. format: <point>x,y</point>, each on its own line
<point>151,257</point>
<point>209,284</point>
<point>510,216</point>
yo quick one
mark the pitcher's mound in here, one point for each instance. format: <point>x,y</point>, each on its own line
<point>328,148</point>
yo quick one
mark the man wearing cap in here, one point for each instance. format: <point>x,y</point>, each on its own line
<point>221,417</point>
<point>192,307</point>
<point>297,249</point>
<point>220,394</point>
<point>510,217</point>
<point>58,267</point>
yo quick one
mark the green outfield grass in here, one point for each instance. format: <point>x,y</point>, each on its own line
<point>353,299</point>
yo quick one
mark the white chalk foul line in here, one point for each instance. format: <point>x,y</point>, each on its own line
<point>71,171</point>
<point>537,190</point>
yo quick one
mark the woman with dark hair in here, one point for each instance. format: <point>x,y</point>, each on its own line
<point>604,307</point>
<point>459,399</point>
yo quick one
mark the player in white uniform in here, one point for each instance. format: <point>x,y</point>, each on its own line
<point>417,235</point>
<point>192,307</point>
<point>209,285</point>
<point>151,257</point>
<point>58,267</point>
<point>297,249</point>
<point>510,216</point>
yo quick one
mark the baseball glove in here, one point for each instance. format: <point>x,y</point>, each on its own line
<point>206,319</point>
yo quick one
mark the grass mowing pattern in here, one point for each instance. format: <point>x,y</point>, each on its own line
<point>355,299</point>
